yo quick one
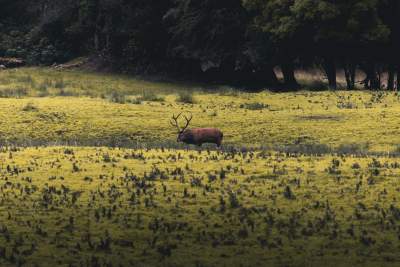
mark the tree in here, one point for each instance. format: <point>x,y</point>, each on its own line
<point>389,12</point>
<point>239,41</point>
<point>209,33</point>
<point>276,19</point>
<point>330,31</point>
<point>121,33</point>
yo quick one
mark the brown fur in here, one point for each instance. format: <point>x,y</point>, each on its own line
<point>201,136</point>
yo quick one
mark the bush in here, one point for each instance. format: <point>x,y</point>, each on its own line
<point>185,97</point>
<point>254,106</point>
<point>150,96</point>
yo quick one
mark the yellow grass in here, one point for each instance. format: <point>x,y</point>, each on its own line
<point>71,206</point>
<point>160,204</point>
<point>367,119</point>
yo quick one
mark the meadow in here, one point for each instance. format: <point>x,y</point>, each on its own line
<point>91,174</point>
<point>45,106</point>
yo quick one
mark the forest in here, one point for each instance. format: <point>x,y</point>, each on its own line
<point>236,41</point>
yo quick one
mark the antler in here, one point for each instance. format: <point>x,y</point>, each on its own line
<point>187,121</point>
<point>174,121</point>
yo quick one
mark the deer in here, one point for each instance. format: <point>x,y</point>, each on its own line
<point>197,136</point>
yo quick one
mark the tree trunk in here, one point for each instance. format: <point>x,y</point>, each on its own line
<point>375,80</point>
<point>398,78</point>
<point>391,73</point>
<point>372,80</point>
<point>330,70</point>
<point>270,76</point>
<point>350,73</point>
<point>98,46</point>
<point>288,76</point>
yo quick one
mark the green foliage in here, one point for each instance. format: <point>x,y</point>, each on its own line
<point>240,41</point>
<point>210,32</point>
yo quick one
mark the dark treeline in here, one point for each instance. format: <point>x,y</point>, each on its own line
<point>239,41</point>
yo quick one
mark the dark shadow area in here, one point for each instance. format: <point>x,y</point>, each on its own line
<point>230,42</point>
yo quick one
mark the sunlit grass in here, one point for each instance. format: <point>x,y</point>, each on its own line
<point>67,205</point>
<point>88,109</point>
<point>303,178</point>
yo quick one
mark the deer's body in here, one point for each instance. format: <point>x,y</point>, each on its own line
<point>201,136</point>
<point>197,136</point>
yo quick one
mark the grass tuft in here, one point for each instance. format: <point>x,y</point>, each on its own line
<point>30,107</point>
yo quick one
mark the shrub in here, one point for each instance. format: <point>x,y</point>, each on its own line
<point>150,96</point>
<point>254,106</point>
<point>186,97</point>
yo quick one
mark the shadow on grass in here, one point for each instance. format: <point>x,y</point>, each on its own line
<point>307,149</point>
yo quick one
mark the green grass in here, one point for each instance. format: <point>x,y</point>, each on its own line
<point>128,112</point>
<point>50,82</point>
<point>303,179</point>
<point>68,205</point>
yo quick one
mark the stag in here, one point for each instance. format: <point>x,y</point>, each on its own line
<point>197,136</point>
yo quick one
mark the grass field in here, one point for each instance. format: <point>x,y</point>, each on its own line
<point>126,111</point>
<point>127,207</point>
<point>91,175</point>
